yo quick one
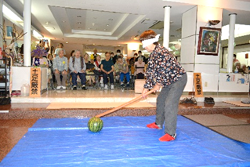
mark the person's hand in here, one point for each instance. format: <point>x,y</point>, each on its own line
<point>64,72</point>
<point>156,88</point>
<point>108,72</point>
<point>56,72</point>
<point>144,93</point>
<point>75,71</point>
<point>82,71</point>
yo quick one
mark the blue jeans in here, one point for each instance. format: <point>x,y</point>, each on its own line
<point>105,78</point>
<point>82,77</point>
<point>122,76</point>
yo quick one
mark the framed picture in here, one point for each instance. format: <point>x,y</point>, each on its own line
<point>209,39</point>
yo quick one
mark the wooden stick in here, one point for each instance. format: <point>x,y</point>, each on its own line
<point>123,105</point>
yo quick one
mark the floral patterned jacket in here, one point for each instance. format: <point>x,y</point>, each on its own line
<point>162,68</point>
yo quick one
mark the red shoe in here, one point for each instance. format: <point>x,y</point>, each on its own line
<point>167,137</point>
<point>153,125</point>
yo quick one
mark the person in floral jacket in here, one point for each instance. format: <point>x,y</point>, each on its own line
<point>165,73</point>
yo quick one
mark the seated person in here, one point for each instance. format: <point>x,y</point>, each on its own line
<point>97,70</point>
<point>60,65</point>
<point>237,67</point>
<point>107,67</point>
<point>40,61</point>
<point>244,69</point>
<point>77,67</point>
<point>90,72</point>
<point>139,68</point>
<point>121,68</point>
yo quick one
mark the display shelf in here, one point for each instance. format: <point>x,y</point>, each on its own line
<point>5,69</point>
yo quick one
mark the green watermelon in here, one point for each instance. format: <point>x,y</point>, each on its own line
<point>95,124</point>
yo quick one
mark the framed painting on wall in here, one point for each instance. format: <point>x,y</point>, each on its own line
<point>209,39</point>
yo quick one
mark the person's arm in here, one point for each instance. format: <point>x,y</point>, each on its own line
<point>84,66</point>
<point>65,64</point>
<point>126,69</point>
<point>71,68</point>
<point>112,69</point>
<point>103,69</point>
<point>55,64</point>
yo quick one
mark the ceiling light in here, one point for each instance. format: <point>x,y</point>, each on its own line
<point>63,21</point>
<point>79,22</point>
<point>107,25</point>
<point>8,13</point>
<point>93,24</point>
<point>37,35</point>
<point>78,16</point>
<point>213,22</point>
<point>66,42</point>
<point>47,22</point>
<point>110,19</point>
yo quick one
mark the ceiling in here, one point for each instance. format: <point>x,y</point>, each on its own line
<point>115,22</point>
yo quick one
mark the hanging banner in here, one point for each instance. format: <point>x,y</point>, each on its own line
<point>198,85</point>
<point>35,82</point>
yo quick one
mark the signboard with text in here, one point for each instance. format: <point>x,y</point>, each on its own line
<point>35,82</point>
<point>198,85</point>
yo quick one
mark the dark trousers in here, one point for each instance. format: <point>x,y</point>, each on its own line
<point>105,78</point>
<point>82,77</point>
<point>167,105</point>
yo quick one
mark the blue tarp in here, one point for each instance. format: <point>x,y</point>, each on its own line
<point>124,141</point>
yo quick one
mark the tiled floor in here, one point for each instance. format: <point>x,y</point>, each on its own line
<point>117,95</point>
<point>11,131</point>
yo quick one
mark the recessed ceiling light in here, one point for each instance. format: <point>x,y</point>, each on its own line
<point>110,19</point>
<point>79,22</point>
<point>66,42</point>
<point>78,16</point>
<point>93,24</point>
<point>107,25</point>
<point>47,22</point>
<point>63,21</point>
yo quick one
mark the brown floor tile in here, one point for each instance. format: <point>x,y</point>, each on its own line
<point>11,131</point>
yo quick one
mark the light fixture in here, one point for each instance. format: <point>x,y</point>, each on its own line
<point>37,35</point>
<point>66,42</point>
<point>107,25</point>
<point>79,22</point>
<point>10,14</point>
<point>213,22</point>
